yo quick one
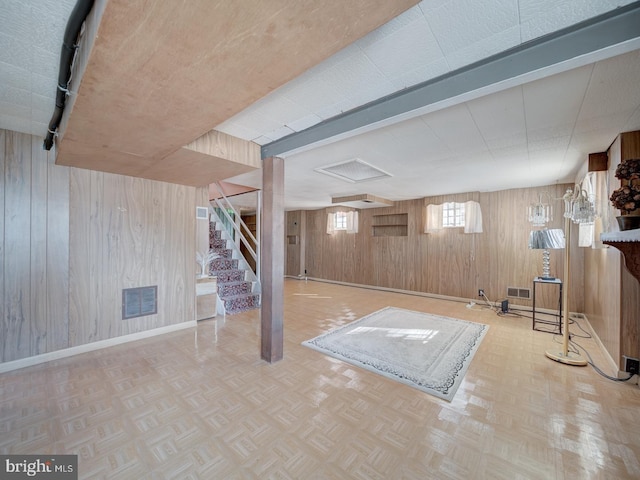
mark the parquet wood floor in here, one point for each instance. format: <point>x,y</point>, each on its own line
<point>200,404</point>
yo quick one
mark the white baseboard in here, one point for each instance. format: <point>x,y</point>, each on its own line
<point>605,352</point>
<point>89,347</point>
<point>384,289</point>
<point>418,294</point>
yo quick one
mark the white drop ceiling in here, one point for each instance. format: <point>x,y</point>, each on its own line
<point>535,130</point>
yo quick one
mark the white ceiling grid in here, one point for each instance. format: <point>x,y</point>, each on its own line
<point>428,40</point>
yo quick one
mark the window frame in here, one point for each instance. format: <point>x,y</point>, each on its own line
<point>453,215</point>
<point>340,221</point>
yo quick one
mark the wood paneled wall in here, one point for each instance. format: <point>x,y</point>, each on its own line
<point>450,262</point>
<point>612,301</point>
<point>294,245</point>
<point>34,248</point>
<point>73,239</point>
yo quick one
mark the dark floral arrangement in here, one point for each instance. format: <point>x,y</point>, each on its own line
<point>629,169</point>
<point>627,197</point>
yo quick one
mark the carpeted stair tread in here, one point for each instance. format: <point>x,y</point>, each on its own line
<point>241,303</point>
<point>217,243</point>
<point>229,289</point>
<point>224,252</point>
<point>226,276</point>
<point>224,264</point>
<point>233,290</point>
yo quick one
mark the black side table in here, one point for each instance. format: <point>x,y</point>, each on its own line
<point>535,322</point>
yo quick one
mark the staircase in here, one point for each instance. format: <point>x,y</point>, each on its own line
<point>236,290</point>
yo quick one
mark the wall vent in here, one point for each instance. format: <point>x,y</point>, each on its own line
<point>516,292</point>
<point>140,301</point>
<point>202,213</point>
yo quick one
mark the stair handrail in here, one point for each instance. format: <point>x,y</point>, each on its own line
<point>238,230</point>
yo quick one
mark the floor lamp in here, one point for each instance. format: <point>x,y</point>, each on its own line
<point>579,209</point>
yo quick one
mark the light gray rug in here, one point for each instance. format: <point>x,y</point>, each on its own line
<point>428,352</point>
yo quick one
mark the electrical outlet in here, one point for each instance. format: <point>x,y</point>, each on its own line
<point>631,365</point>
<point>481,292</point>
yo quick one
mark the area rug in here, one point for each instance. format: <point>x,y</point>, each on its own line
<point>428,352</point>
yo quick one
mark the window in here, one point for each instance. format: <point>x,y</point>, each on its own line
<point>340,221</point>
<point>452,215</point>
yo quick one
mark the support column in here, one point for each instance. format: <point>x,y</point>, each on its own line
<point>272,259</point>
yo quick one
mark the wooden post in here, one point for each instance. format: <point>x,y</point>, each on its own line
<point>272,271</point>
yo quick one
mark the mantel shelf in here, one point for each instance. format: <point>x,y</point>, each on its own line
<point>628,242</point>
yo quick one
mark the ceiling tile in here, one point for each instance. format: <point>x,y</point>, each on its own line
<point>633,122</point>
<point>44,86</point>
<point>41,108</point>
<point>331,110</point>
<point>14,76</point>
<point>406,49</point>
<point>347,77</point>
<point>558,143</point>
<point>313,92</point>
<point>262,140</point>
<point>39,129</point>
<point>304,122</point>
<point>278,108</point>
<point>468,28</point>
<point>555,100</point>
<point>252,125</point>
<point>483,48</point>
<point>14,110</point>
<point>613,121</point>
<point>540,17</point>
<point>17,124</point>
<point>15,96</point>
<point>15,52</point>
<point>613,86</point>
<point>408,78</point>
<point>392,27</point>
<point>456,127</point>
<point>500,115</point>
<point>279,132</point>
<point>240,130</point>
<point>45,62</point>
<point>47,29</point>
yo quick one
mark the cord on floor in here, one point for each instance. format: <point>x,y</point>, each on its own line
<point>575,347</point>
